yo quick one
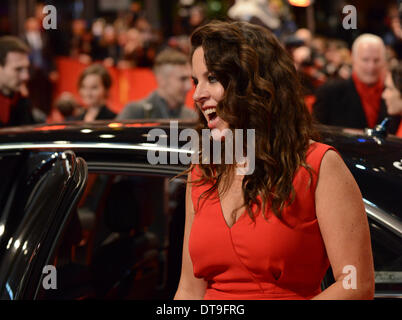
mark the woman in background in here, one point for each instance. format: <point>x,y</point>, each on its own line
<point>392,93</point>
<point>94,84</point>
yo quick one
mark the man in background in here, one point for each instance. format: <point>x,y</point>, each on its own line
<point>14,74</point>
<point>173,73</point>
<point>356,102</point>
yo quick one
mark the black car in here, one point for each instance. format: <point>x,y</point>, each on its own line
<point>85,215</point>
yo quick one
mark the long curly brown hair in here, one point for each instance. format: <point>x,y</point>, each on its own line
<point>262,92</point>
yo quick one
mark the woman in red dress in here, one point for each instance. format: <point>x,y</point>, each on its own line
<point>271,234</point>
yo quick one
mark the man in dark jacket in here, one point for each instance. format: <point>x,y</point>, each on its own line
<point>357,102</point>
<point>14,74</point>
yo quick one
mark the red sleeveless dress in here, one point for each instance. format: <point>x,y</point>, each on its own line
<point>268,259</point>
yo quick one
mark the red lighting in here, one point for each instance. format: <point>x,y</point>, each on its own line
<point>50,128</point>
<point>136,125</point>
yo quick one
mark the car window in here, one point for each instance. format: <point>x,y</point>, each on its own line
<point>9,166</point>
<point>124,240</point>
<point>387,254</point>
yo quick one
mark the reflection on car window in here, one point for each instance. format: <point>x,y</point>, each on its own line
<point>124,240</point>
<point>387,253</point>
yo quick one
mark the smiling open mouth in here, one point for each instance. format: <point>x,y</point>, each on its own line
<point>210,113</point>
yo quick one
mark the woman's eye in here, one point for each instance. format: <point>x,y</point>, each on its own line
<point>212,79</point>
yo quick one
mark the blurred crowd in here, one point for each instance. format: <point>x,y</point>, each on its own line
<point>127,42</point>
<point>130,41</point>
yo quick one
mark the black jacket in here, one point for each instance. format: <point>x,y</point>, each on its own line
<point>104,114</point>
<point>338,104</point>
<point>20,114</point>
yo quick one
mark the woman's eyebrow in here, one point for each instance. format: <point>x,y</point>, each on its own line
<point>205,74</point>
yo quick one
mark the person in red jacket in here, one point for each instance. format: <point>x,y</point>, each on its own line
<point>271,233</point>
<point>14,73</point>
<point>356,102</point>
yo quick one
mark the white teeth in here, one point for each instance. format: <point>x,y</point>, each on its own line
<point>209,111</point>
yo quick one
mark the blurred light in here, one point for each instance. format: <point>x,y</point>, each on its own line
<point>398,164</point>
<point>10,292</point>
<point>359,166</point>
<point>9,243</point>
<point>156,147</point>
<point>376,139</point>
<point>107,136</point>
<point>361,140</point>
<point>147,124</point>
<point>300,3</point>
<point>86,130</point>
<point>370,203</point>
<point>17,244</point>
<point>61,142</point>
<point>24,247</point>
<point>1,229</point>
<point>50,128</point>
<point>152,145</point>
<point>115,125</point>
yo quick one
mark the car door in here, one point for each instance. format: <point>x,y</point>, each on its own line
<point>386,242</point>
<point>38,192</point>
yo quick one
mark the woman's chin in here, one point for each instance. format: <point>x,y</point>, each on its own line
<point>219,133</point>
<point>218,128</point>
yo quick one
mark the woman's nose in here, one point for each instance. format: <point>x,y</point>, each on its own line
<point>200,93</point>
<point>384,94</point>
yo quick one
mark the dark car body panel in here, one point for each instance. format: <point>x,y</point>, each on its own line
<point>122,147</point>
<point>376,164</point>
<point>50,183</point>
